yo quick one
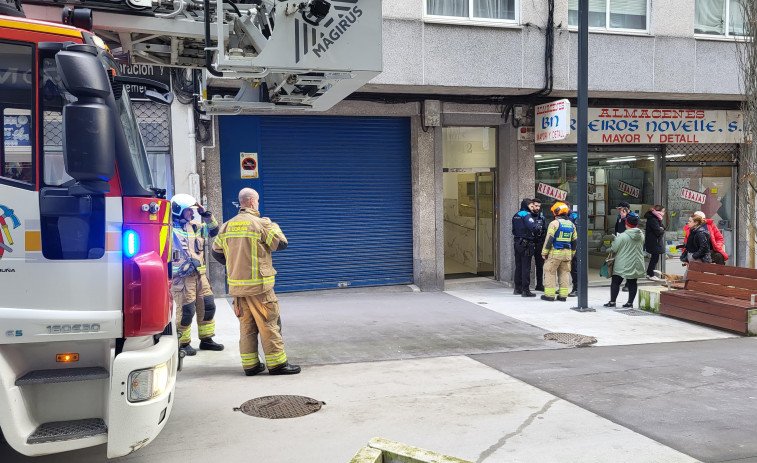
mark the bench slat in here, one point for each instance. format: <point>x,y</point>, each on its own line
<point>724,270</point>
<point>724,280</point>
<point>719,290</point>
<point>707,319</point>
<point>693,301</point>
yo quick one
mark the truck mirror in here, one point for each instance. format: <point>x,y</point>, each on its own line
<point>88,123</point>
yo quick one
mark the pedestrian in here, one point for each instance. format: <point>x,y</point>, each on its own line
<point>698,242</point>
<point>718,253</point>
<point>653,238</point>
<point>190,287</point>
<point>573,217</point>
<point>524,234</point>
<point>558,251</point>
<point>629,260</point>
<point>620,225</point>
<point>244,245</point>
<point>539,239</point>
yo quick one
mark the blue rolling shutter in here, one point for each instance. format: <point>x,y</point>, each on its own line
<point>340,188</point>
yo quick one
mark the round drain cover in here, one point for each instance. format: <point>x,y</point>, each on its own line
<point>280,406</point>
<point>579,340</point>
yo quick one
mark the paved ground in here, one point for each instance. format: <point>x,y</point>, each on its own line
<point>467,373</point>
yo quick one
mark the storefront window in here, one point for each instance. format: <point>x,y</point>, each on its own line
<point>612,178</point>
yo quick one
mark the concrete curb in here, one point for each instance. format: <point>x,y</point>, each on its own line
<point>385,451</point>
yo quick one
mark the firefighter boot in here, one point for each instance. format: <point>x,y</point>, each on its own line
<point>259,368</point>
<point>188,350</point>
<point>285,369</point>
<point>209,344</point>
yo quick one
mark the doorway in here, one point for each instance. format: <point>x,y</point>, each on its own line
<point>469,179</point>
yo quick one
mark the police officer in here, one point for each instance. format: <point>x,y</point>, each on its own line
<point>573,217</point>
<point>190,287</point>
<point>524,233</point>
<point>558,251</point>
<point>539,237</point>
<point>244,245</point>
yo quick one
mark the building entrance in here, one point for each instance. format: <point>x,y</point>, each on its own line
<point>469,184</point>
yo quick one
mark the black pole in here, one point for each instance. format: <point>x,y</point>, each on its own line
<point>583,157</point>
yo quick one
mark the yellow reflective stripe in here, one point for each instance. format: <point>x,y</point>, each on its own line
<point>561,252</point>
<point>256,281</point>
<point>564,291</point>
<point>207,327</point>
<point>181,232</point>
<point>550,292</point>
<point>276,359</point>
<point>218,241</point>
<point>273,233</point>
<point>186,335</point>
<point>201,268</point>
<point>239,235</point>
<point>163,237</point>
<point>67,31</point>
<point>168,213</point>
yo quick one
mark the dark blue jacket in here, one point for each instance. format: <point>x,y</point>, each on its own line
<point>524,225</point>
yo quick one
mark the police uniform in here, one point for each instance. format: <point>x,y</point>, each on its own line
<point>558,249</point>
<point>573,217</point>
<point>524,230</point>
<point>540,237</point>
<point>190,287</point>
<point>244,244</point>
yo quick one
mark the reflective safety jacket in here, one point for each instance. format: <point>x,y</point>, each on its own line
<point>561,238</point>
<point>188,245</point>
<point>246,243</point>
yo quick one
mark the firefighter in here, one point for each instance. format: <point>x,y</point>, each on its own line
<point>244,246</point>
<point>524,233</point>
<point>557,252</point>
<point>190,287</point>
<point>540,236</point>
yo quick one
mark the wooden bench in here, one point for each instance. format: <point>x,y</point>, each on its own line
<point>716,295</point>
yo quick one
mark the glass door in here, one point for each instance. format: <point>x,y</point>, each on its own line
<point>469,186</point>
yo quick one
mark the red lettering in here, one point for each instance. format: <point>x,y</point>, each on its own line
<point>604,113</point>
<point>650,138</point>
<point>700,114</point>
<point>630,114</point>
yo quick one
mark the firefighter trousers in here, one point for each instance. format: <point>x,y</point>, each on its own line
<point>193,295</point>
<point>259,314</point>
<point>557,264</point>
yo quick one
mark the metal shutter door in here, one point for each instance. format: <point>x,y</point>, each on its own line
<point>340,189</point>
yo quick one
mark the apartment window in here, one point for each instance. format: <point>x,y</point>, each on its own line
<point>613,14</point>
<point>473,9</point>
<point>719,17</point>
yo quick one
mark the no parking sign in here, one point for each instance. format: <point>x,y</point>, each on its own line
<point>248,163</point>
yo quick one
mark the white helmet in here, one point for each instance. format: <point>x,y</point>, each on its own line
<point>180,202</point>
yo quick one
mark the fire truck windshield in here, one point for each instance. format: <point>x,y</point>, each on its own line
<point>131,130</point>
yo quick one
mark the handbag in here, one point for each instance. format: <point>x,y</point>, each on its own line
<point>607,267</point>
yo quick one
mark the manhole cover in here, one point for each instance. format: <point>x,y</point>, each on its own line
<point>280,406</point>
<point>569,338</point>
<point>634,312</point>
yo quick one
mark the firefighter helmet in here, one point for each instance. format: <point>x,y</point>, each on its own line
<point>560,209</point>
<point>181,202</point>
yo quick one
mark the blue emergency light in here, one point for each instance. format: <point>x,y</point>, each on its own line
<point>131,243</point>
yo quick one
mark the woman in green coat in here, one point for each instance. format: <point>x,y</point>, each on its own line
<point>629,260</point>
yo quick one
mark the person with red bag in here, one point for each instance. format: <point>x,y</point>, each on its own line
<point>719,255</point>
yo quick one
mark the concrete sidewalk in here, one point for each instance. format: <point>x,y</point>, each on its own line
<point>394,363</point>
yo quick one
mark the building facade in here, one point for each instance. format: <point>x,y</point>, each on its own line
<point>414,179</point>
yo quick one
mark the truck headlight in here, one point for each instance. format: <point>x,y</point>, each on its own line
<point>149,383</point>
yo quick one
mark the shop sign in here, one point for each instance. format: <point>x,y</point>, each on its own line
<point>17,130</point>
<point>610,126</point>
<point>552,192</point>
<point>630,190</point>
<point>694,196</point>
<point>146,71</point>
<point>552,121</point>
<point>249,165</point>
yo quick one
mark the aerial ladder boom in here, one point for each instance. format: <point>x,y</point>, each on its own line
<point>290,55</point>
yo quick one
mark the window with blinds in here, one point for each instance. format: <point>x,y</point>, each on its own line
<point>613,14</point>
<point>710,18</point>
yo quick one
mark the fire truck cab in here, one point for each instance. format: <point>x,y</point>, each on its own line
<point>88,348</point>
